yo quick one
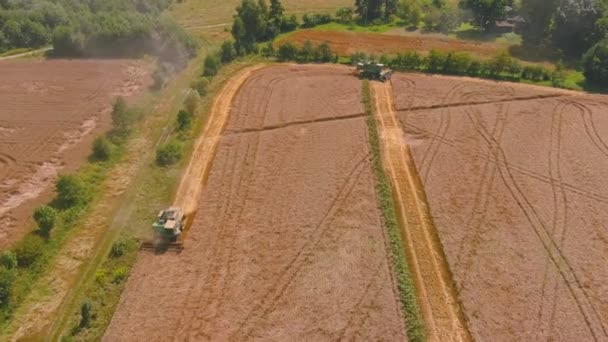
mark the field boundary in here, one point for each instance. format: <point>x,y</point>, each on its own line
<point>398,264</point>
<point>438,298</point>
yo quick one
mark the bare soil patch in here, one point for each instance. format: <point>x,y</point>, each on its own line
<point>346,43</point>
<point>287,242</point>
<point>516,192</point>
<point>50,111</point>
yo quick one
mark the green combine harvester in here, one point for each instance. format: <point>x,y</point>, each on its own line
<point>373,71</point>
<point>168,230</point>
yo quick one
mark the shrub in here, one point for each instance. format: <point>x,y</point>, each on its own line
<point>45,218</point>
<point>7,279</point>
<point>100,276</point>
<point>168,154</point>
<point>312,19</point>
<point>201,85</point>
<point>118,249</point>
<point>595,63</point>
<point>123,117</point>
<point>289,24</point>
<point>8,260</point>
<point>212,65</point>
<point>499,63</point>
<point>435,61</point>
<point>558,77</point>
<point>475,68</point>
<point>324,53</point>
<point>29,250</point>
<point>120,274</point>
<point>287,52</point>
<point>184,120</point>
<point>228,52</point>
<point>85,314</point>
<point>344,15</point>
<point>71,191</point>
<point>268,50</point>
<point>307,52</point>
<point>412,60</point>
<point>102,148</point>
<point>191,102</point>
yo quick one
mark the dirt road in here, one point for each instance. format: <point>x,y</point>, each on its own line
<point>287,242</point>
<point>514,178</point>
<point>438,299</point>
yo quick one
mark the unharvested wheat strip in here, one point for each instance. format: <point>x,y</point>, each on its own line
<point>437,297</point>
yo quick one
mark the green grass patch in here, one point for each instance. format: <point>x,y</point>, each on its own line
<point>405,285</point>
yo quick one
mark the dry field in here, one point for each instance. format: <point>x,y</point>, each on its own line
<point>50,111</point>
<point>515,179</point>
<point>287,242</point>
<point>346,43</point>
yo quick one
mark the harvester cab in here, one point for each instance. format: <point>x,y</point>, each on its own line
<point>168,230</point>
<point>373,71</point>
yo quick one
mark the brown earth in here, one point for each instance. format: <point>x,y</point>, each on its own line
<point>287,242</point>
<point>346,43</point>
<point>517,192</point>
<point>50,111</point>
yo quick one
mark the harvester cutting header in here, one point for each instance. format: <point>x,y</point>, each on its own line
<point>373,71</point>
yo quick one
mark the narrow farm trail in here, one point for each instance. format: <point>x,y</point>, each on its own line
<point>192,181</point>
<point>437,295</point>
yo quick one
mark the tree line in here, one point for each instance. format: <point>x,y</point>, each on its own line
<point>95,28</point>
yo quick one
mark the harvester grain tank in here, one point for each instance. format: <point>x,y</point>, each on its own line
<point>373,71</point>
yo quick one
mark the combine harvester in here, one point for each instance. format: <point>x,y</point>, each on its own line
<point>168,229</point>
<point>373,71</point>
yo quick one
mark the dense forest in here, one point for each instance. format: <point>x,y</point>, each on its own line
<point>88,28</point>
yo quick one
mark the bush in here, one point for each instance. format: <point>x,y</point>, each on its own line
<point>100,276</point>
<point>212,65</point>
<point>595,63</point>
<point>435,61</point>
<point>288,52</point>
<point>123,117</point>
<point>357,57</point>
<point>228,52</point>
<point>168,154</point>
<point>558,77</point>
<point>118,249</point>
<point>184,120</point>
<point>120,274</point>
<point>201,85</point>
<point>499,64</point>
<point>102,148</point>
<point>345,15</point>
<point>289,24</point>
<point>268,50</point>
<point>312,19</point>
<point>71,191</point>
<point>324,53</point>
<point>85,314</point>
<point>45,218</point>
<point>307,52</point>
<point>7,279</point>
<point>8,260</point>
<point>29,250</point>
<point>191,102</point>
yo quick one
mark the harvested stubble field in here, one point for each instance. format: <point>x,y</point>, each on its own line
<point>287,242</point>
<point>514,176</point>
<point>50,111</point>
<point>346,43</point>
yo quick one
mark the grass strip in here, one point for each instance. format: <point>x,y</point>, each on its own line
<point>405,285</point>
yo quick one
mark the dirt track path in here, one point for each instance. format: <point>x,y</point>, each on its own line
<point>437,296</point>
<point>189,189</point>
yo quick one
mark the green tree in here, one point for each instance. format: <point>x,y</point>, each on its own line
<point>201,85</point>
<point>595,63</point>
<point>307,52</point>
<point>575,25</point>
<point>8,260</point>
<point>228,52</point>
<point>485,12</point>
<point>71,191</point>
<point>102,148</point>
<point>169,153</point>
<point>276,12</point>
<point>288,52</point>
<point>324,52</point>
<point>344,15</point>
<point>45,218</point>
<point>7,280</point>
<point>249,25</point>
<point>85,314</point>
<point>29,250</point>
<point>212,65</point>
<point>184,120</point>
<point>539,15</point>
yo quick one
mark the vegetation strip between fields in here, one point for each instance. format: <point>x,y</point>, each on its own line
<point>405,284</point>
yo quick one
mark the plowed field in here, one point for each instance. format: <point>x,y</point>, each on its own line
<point>50,111</point>
<point>346,43</point>
<point>287,243</point>
<point>515,179</point>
